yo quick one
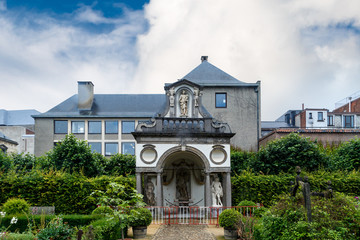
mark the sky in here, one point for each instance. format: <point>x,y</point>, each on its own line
<point>303,51</point>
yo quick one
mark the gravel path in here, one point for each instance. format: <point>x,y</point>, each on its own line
<point>186,232</point>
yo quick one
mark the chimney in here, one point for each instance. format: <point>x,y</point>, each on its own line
<point>85,95</point>
<point>204,58</point>
<point>303,107</point>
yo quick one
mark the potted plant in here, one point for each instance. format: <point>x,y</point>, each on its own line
<point>229,219</point>
<point>139,219</point>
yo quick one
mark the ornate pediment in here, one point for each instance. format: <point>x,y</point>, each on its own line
<point>184,100</point>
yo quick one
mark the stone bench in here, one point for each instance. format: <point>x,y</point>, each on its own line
<point>50,210</point>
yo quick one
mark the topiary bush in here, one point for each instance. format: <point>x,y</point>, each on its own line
<point>229,219</point>
<point>284,154</point>
<point>16,206</point>
<point>246,203</point>
<point>102,210</point>
<point>140,217</point>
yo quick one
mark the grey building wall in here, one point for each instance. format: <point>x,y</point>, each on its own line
<point>242,113</point>
<point>44,137</point>
<point>18,134</point>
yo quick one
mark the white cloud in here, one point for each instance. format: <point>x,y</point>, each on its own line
<point>42,58</point>
<point>3,5</point>
<point>294,47</point>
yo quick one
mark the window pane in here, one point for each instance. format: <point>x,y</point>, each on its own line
<point>111,149</point>
<point>128,126</point>
<point>94,127</point>
<point>77,126</point>
<point>220,100</point>
<point>61,126</point>
<point>330,121</point>
<point>95,146</point>
<point>320,116</point>
<point>111,127</point>
<point>128,148</point>
<point>349,121</point>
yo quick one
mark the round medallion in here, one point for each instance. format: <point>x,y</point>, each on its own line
<point>148,155</point>
<point>218,155</point>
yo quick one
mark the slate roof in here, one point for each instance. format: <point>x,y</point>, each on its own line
<point>111,105</point>
<point>17,117</point>
<point>274,124</point>
<point>207,74</point>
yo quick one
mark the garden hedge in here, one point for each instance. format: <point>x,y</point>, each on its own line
<point>69,193</point>
<point>266,188</point>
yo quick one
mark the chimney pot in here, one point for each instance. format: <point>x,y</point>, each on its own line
<point>204,58</point>
<point>85,95</point>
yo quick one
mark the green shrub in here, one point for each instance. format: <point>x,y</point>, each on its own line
<point>246,203</point>
<point>5,162</point>
<point>102,210</point>
<point>107,229</point>
<point>140,217</point>
<point>284,154</point>
<point>20,236</point>
<point>120,164</point>
<point>23,162</point>
<point>56,230</point>
<point>336,218</point>
<point>229,219</point>
<point>241,160</point>
<point>16,206</point>
<point>347,156</point>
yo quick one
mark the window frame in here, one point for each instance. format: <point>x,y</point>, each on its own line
<point>72,127</point>
<point>351,121</point>
<point>92,150</point>
<point>125,143</point>
<point>62,132</point>
<point>112,143</point>
<point>322,116</point>
<point>117,127</point>
<point>89,128</point>
<point>216,102</point>
<point>330,122</point>
<point>122,127</point>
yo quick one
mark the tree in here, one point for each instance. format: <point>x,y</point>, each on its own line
<point>284,154</point>
<point>74,155</point>
<point>347,156</point>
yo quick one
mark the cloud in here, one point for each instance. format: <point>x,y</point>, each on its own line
<point>3,5</point>
<point>42,57</point>
<point>302,51</point>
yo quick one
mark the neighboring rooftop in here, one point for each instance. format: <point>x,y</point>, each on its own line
<point>348,99</point>
<point>111,105</point>
<point>6,139</point>
<point>17,117</point>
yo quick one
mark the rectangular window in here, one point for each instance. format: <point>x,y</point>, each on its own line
<point>310,115</point>
<point>94,127</point>
<point>111,149</point>
<point>320,116</point>
<point>128,148</point>
<point>220,100</point>
<point>330,120</point>
<point>128,126</point>
<point>61,126</point>
<point>111,127</point>
<point>78,127</point>
<point>348,121</point>
<point>95,146</point>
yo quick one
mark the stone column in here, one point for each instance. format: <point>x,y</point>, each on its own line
<point>138,183</point>
<point>228,190</point>
<point>158,190</point>
<point>207,190</point>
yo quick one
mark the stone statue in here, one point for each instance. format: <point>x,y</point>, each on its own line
<point>149,191</point>
<point>181,186</point>
<point>196,97</point>
<point>171,96</point>
<point>183,100</point>
<point>216,192</point>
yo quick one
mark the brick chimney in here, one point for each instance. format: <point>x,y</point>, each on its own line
<point>85,95</point>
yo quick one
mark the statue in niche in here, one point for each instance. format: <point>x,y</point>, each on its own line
<point>182,181</point>
<point>149,192</point>
<point>171,96</point>
<point>183,100</point>
<point>216,192</point>
<point>196,97</point>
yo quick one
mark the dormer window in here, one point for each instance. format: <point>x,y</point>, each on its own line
<point>220,100</point>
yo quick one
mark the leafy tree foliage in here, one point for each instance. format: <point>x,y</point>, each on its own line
<point>5,162</point>
<point>120,164</point>
<point>241,160</point>
<point>347,155</point>
<point>284,154</point>
<point>74,155</point>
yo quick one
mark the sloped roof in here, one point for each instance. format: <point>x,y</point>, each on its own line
<point>207,74</point>
<point>17,117</point>
<point>6,139</point>
<point>111,105</point>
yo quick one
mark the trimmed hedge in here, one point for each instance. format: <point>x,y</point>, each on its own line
<point>266,188</point>
<point>23,221</point>
<point>69,193</point>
